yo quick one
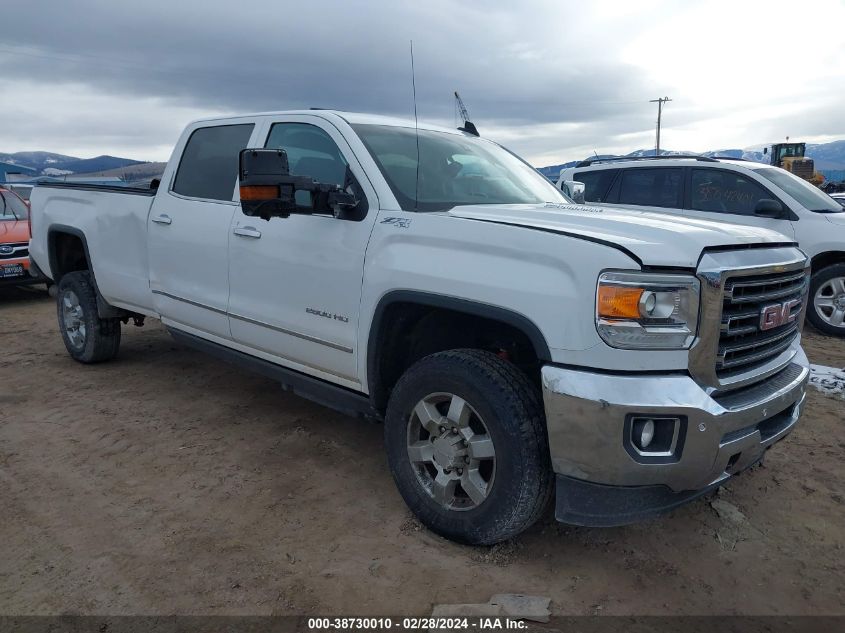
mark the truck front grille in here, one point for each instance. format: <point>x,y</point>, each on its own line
<point>743,344</point>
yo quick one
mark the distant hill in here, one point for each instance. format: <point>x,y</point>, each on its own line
<point>827,156</point>
<point>60,163</point>
<point>136,171</point>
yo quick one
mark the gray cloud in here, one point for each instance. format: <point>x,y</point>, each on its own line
<point>525,67</point>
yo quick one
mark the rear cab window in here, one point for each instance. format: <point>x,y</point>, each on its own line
<point>208,168</point>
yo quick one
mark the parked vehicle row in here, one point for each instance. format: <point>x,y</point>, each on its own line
<point>14,240</point>
<point>516,346</point>
<point>739,192</point>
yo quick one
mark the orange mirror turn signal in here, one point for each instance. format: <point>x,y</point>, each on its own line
<point>259,192</point>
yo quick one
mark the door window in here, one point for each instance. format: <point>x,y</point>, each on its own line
<point>596,182</point>
<point>11,207</point>
<point>311,152</point>
<point>722,191</point>
<point>657,187</point>
<point>209,165</point>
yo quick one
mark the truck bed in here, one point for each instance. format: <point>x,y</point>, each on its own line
<point>112,223</point>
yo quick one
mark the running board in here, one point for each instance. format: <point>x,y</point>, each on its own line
<point>340,399</point>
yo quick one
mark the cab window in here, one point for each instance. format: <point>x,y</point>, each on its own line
<point>311,152</point>
<point>721,191</point>
<point>596,182</point>
<point>653,187</point>
<point>209,165</point>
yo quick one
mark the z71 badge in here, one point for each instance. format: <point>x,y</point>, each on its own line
<point>402,223</point>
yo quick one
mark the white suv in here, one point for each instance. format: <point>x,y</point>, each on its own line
<point>739,192</point>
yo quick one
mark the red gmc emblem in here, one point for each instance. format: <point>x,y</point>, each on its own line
<point>778,314</point>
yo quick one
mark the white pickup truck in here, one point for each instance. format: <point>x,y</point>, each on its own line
<point>513,343</point>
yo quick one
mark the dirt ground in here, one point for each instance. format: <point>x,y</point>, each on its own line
<point>168,482</point>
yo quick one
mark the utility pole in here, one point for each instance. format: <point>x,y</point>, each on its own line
<point>659,103</point>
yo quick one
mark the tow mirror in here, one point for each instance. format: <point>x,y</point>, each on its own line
<point>575,190</point>
<point>768,208</point>
<point>268,189</point>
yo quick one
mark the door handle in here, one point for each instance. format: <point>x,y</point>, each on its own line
<point>162,219</point>
<point>247,231</point>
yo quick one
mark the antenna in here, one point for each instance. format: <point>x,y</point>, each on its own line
<point>416,130</point>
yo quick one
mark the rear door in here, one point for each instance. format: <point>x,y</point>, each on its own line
<point>189,229</point>
<point>725,195</point>
<point>296,281</point>
<point>657,189</point>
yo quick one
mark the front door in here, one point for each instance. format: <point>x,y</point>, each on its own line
<point>189,229</point>
<point>296,281</point>
<point>724,195</point>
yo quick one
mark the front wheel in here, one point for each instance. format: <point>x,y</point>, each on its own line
<point>467,446</point>
<point>87,337</point>
<point>827,294</point>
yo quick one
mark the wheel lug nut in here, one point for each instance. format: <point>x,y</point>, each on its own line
<point>466,459</point>
<point>465,443</point>
<point>442,429</point>
<point>460,471</point>
<point>454,430</point>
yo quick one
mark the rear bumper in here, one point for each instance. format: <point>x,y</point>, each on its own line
<point>589,417</point>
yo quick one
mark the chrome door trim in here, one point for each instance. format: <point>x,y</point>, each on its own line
<point>188,301</point>
<point>239,317</point>
<point>306,337</point>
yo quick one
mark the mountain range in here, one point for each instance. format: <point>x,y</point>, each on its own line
<point>48,163</point>
<point>827,156</point>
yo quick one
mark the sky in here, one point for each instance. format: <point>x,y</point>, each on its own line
<point>553,81</point>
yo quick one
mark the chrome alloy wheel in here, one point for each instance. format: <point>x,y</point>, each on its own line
<point>829,302</point>
<point>451,451</point>
<point>73,319</point>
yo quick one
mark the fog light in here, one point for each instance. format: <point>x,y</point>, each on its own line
<point>643,433</point>
<point>651,437</point>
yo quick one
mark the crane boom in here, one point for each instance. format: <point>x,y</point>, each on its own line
<point>468,126</point>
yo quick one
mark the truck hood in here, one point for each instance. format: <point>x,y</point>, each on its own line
<point>14,231</point>
<point>654,238</point>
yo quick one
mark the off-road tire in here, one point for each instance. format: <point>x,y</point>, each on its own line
<point>512,411</point>
<point>818,279</point>
<point>102,336</point>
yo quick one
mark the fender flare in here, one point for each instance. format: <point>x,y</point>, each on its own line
<point>465,306</point>
<point>104,309</point>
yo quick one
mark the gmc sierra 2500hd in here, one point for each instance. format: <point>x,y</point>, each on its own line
<point>513,343</point>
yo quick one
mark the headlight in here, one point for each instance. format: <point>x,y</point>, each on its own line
<point>647,311</point>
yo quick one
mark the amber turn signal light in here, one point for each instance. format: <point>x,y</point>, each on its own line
<point>259,192</point>
<point>619,302</point>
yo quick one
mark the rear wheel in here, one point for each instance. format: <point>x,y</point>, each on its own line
<point>467,446</point>
<point>827,292</point>
<point>87,337</point>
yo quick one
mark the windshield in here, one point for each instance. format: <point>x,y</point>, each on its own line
<point>454,170</point>
<point>11,207</point>
<point>806,194</point>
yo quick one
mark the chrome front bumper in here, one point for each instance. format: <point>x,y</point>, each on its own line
<point>719,435</point>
